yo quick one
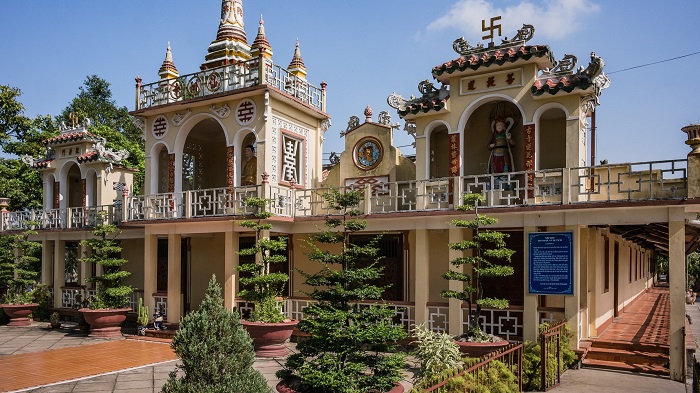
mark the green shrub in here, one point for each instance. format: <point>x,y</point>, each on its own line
<point>436,352</point>
<point>18,267</point>
<point>40,295</point>
<point>215,350</point>
<point>532,360</point>
<point>351,347</point>
<point>496,378</point>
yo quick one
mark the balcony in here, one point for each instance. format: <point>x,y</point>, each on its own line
<point>225,79</point>
<point>630,182</point>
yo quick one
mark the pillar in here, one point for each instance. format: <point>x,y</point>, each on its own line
<point>593,272</point>
<point>150,269</point>
<point>583,281</point>
<point>84,269</point>
<point>676,274</point>
<point>422,280</point>
<point>174,276</point>
<point>572,303</point>
<point>231,261</point>
<point>59,273</point>
<point>455,305</point>
<point>47,261</point>
<point>531,317</point>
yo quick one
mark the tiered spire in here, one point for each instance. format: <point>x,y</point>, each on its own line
<point>261,44</point>
<point>296,66</point>
<point>167,69</point>
<point>231,45</point>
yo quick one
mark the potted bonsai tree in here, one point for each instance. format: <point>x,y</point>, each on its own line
<point>267,326</point>
<point>17,261</point>
<point>351,347</point>
<point>486,247</point>
<point>108,308</point>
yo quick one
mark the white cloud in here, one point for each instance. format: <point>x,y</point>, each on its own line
<point>555,19</point>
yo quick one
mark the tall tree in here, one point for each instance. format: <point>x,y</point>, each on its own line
<point>94,101</point>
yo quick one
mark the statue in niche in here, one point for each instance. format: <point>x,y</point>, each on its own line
<point>250,167</point>
<point>501,159</point>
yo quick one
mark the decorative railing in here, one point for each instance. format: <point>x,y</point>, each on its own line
<point>657,180</point>
<point>550,341</point>
<point>226,79</point>
<point>74,217</point>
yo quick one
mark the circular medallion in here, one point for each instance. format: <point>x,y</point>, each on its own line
<point>160,127</point>
<point>368,153</point>
<point>245,112</point>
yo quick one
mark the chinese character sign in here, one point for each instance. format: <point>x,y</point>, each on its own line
<point>454,155</point>
<point>291,162</point>
<point>529,155</point>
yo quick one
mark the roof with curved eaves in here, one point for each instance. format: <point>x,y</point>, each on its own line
<point>565,83</point>
<point>424,106</point>
<point>497,56</point>
<point>69,137</point>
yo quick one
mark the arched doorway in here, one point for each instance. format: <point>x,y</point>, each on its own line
<point>74,189</point>
<point>204,157</point>
<point>488,147</point>
<point>439,161</point>
<point>551,140</point>
<point>163,182</point>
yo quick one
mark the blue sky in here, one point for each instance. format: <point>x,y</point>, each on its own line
<point>365,50</point>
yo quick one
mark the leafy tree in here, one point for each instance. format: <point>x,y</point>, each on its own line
<point>260,284</point>
<point>693,271</point>
<point>19,272</point>
<point>111,292</point>
<point>215,350</point>
<point>94,101</point>
<point>486,246</point>
<point>21,184</point>
<point>349,347</point>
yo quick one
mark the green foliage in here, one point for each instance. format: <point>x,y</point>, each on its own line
<point>532,359</point>
<point>435,352</point>
<point>20,183</point>
<point>40,295</point>
<point>260,284</point>
<point>18,268</point>
<point>94,100</point>
<point>111,293</point>
<point>486,246</point>
<point>693,270</point>
<point>55,318</point>
<point>496,378</point>
<point>215,350</point>
<point>350,347</point>
<point>142,313</point>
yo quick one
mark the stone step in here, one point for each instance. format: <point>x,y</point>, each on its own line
<point>636,368</point>
<point>630,346</point>
<point>624,356</point>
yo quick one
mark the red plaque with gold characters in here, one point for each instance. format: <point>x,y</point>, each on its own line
<point>529,157</point>
<point>454,155</point>
<point>368,153</point>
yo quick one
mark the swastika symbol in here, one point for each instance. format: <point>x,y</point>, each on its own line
<point>490,28</point>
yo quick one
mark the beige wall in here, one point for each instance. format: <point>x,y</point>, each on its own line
<point>132,251</point>
<point>206,258</point>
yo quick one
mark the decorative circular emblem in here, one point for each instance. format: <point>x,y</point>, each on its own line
<point>160,127</point>
<point>245,112</point>
<point>368,153</point>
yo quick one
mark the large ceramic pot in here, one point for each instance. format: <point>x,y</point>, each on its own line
<point>18,313</point>
<point>282,387</point>
<point>269,338</point>
<point>105,323</point>
<point>477,350</point>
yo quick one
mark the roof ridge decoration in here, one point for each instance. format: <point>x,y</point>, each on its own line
<point>562,77</point>
<point>430,99</point>
<point>524,34</point>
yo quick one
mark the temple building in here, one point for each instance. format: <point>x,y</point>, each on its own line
<point>509,121</point>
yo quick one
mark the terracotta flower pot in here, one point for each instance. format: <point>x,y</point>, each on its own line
<point>477,350</point>
<point>283,388</point>
<point>18,313</point>
<point>105,323</point>
<point>269,338</point>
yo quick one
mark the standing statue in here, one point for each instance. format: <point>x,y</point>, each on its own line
<point>250,167</point>
<point>501,159</point>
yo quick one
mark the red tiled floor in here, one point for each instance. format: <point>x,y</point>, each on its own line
<point>645,321</point>
<point>41,368</point>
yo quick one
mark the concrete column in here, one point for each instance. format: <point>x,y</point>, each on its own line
<point>174,311</point>
<point>455,311</point>
<point>531,317</point>
<point>583,282</point>
<point>231,261</point>
<point>676,274</point>
<point>47,262</point>
<point>572,303</point>
<point>150,269</point>
<point>592,268</point>
<point>422,281</point>
<point>59,273</point>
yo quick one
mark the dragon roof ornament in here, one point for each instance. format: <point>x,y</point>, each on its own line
<point>524,34</point>
<point>428,93</point>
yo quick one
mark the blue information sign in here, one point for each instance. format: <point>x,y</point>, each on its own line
<point>551,263</point>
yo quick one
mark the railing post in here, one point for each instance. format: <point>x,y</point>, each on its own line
<point>125,203</point>
<point>262,75</point>
<point>543,362</point>
<point>4,213</point>
<point>368,199</point>
<point>457,191</point>
<point>187,202</point>
<point>138,92</point>
<point>566,186</point>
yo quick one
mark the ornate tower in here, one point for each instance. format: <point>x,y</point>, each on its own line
<point>167,69</point>
<point>261,45</point>
<point>230,45</point>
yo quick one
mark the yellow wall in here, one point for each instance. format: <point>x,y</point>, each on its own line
<point>207,258</point>
<point>132,251</point>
